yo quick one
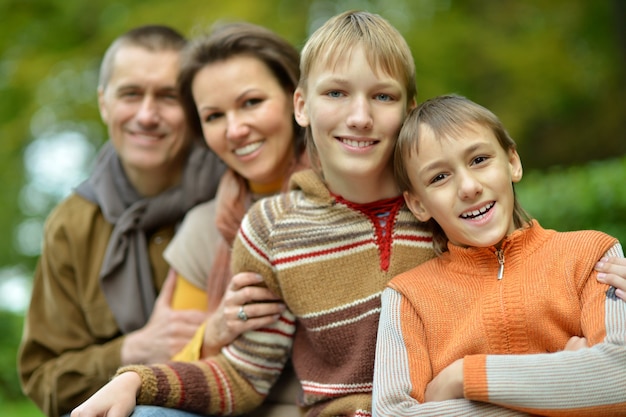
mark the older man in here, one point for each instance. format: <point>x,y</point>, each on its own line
<point>94,304</point>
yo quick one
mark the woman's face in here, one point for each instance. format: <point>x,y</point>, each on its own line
<point>246,117</point>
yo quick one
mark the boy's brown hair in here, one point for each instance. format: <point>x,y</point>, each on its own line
<point>447,116</point>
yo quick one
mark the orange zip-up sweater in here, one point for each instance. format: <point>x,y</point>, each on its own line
<point>509,314</point>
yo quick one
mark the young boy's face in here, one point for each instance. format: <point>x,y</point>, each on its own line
<point>465,184</point>
<point>355,114</point>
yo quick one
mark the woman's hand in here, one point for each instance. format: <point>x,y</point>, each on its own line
<point>612,271</point>
<point>118,398</point>
<point>245,306</point>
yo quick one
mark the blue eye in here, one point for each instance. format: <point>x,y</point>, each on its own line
<point>383,97</point>
<point>334,94</point>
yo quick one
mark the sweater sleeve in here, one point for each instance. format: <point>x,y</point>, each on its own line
<point>234,382</point>
<point>402,368</point>
<point>588,381</point>
<point>238,379</point>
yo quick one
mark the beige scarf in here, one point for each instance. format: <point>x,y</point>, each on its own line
<point>232,201</point>
<point>125,275</point>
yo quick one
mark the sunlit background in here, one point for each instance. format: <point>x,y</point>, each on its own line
<point>554,72</point>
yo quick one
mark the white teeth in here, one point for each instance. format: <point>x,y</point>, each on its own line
<point>357,143</point>
<point>474,214</point>
<point>248,149</point>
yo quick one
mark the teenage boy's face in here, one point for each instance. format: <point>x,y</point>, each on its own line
<point>465,184</point>
<point>355,114</point>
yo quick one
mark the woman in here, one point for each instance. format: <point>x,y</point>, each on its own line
<point>236,85</point>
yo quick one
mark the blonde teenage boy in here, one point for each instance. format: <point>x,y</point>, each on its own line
<point>327,247</point>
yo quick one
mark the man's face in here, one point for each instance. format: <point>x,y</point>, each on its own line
<point>141,108</point>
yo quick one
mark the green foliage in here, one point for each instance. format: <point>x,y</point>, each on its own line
<point>11,330</point>
<point>21,408</point>
<point>552,71</point>
<point>574,198</point>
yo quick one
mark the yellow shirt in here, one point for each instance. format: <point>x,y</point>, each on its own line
<point>188,296</point>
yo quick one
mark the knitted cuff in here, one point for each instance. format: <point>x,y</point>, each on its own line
<point>148,390</point>
<point>475,386</point>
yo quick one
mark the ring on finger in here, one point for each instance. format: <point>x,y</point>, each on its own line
<point>242,314</point>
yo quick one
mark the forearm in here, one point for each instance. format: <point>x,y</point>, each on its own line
<point>233,382</point>
<point>459,407</point>
<point>549,384</point>
<point>398,386</point>
<point>208,387</point>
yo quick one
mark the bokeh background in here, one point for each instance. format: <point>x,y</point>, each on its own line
<point>554,72</point>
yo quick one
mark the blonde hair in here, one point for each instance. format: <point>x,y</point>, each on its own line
<point>384,46</point>
<point>447,116</point>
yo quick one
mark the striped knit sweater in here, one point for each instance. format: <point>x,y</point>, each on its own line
<point>510,331</point>
<point>329,260</point>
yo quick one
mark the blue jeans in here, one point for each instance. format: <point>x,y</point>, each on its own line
<point>154,411</point>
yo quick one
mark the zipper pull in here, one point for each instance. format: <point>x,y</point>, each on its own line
<point>500,255</point>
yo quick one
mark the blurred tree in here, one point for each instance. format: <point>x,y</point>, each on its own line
<point>11,329</point>
<point>553,71</point>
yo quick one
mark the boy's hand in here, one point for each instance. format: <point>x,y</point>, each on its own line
<point>115,399</point>
<point>448,385</point>
<point>612,271</point>
<point>576,343</point>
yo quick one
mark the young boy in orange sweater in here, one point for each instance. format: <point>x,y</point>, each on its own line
<point>501,320</point>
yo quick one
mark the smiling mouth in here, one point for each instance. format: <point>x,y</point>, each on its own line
<point>478,213</point>
<point>147,135</point>
<point>248,149</point>
<point>357,143</point>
